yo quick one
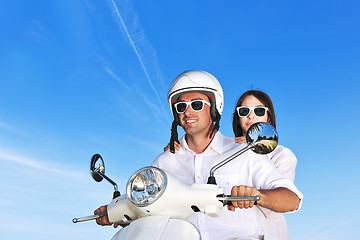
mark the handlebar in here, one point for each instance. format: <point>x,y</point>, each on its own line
<point>91,217</point>
<point>226,199</point>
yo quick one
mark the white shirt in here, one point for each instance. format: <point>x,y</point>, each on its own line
<point>284,160</point>
<point>248,169</point>
<point>275,226</point>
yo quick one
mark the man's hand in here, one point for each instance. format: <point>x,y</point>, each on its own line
<point>240,191</point>
<point>278,199</point>
<point>103,221</point>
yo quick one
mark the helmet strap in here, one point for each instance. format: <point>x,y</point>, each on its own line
<point>216,127</point>
<point>174,136</point>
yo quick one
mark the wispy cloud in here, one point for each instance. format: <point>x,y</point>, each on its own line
<point>36,164</point>
<point>6,202</point>
<point>112,74</point>
<point>156,148</point>
<point>155,108</point>
<point>10,128</point>
<point>139,57</point>
<point>51,227</point>
<point>3,125</point>
<point>38,32</point>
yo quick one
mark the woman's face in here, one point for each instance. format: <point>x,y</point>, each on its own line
<point>246,122</point>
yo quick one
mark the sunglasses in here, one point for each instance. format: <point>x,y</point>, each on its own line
<point>245,111</point>
<point>196,105</point>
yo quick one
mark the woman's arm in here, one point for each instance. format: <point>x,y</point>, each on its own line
<point>176,144</point>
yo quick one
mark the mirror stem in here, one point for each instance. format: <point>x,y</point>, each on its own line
<point>211,179</point>
<point>116,191</point>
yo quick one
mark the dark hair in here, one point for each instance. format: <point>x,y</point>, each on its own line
<point>264,99</point>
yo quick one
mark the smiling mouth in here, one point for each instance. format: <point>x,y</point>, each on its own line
<point>189,121</point>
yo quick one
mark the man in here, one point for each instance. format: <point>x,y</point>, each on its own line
<point>196,101</point>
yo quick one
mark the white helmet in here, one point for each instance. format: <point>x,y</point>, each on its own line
<point>196,81</point>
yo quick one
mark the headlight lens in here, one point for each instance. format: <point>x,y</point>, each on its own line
<point>146,186</point>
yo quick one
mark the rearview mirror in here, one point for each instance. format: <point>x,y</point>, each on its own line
<point>97,167</point>
<point>262,137</point>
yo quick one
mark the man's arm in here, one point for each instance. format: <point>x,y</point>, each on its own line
<point>278,199</point>
<point>103,221</point>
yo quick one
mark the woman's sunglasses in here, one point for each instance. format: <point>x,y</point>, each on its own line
<point>245,111</point>
<point>196,105</point>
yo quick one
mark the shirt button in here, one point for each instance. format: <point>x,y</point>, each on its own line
<point>227,183</point>
<point>198,177</point>
<point>201,221</point>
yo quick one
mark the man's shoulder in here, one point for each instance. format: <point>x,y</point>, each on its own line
<point>164,155</point>
<point>224,143</point>
<point>168,157</point>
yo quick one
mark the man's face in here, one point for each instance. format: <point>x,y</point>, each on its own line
<point>195,122</point>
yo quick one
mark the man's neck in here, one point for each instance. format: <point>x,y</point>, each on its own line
<point>199,143</point>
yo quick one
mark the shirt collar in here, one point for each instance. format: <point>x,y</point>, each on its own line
<point>216,144</point>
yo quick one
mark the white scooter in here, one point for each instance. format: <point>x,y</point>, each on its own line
<point>156,203</point>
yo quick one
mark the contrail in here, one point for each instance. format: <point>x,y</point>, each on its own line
<point>138,56</point>
<point>112,74</point>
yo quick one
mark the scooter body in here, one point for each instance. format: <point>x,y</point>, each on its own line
<point>158,221</point>
<point>179,200</point>
<point>160,227</point>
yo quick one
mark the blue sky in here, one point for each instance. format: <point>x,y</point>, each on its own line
<point>79,77</point>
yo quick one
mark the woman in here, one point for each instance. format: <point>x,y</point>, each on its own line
<point>256,106</point>
<point>252,107</point>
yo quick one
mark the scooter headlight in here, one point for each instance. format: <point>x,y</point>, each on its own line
<point>146,186</point>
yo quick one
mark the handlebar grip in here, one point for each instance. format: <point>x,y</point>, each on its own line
<point>82,219</point>
<point>229,203</point>
<point>226,199</point>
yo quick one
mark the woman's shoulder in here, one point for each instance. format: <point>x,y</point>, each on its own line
<point>281,152</point>
<point>282,149</point>
<point>284,160</point>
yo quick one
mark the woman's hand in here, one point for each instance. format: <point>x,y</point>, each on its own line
<point>176,144</point>
<point>240,139</point>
